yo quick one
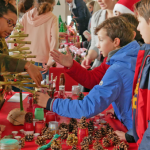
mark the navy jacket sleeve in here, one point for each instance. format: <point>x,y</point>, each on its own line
<point>145,144</point>
<point>98,99</point>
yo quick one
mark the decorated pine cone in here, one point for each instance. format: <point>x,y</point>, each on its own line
<point>22,142</point>
<point>81,96</point>
<point>103,131</point>
<point>115,140</point>
<point>44,130</point>
<point>121,146</point>
<point>40,141</point>
<point>110,135</point>
<point>98,134</point>
<point>63,125</point>
<point>56,145</point>
<point>29,117</point>
<point>73,121</point>
<point>108,127</point>
<point>63,133</point>
<point>74,148</point>
<point>90,128</point>
<point>97,146</point>
<point>29,137</point>
<point>83,124</point>
<point>71,127</point>
<point>48,134</point>
<point>106,142</point>
<point>75,130</point>
<point>111,130</point>
<point>72,140</point>
<point>85,147</point>
<point>85,141</point>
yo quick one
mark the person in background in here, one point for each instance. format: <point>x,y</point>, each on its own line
<point>25,6</point>
<point>80,15</point>
<point>42,26</point>
<point>90,6</point>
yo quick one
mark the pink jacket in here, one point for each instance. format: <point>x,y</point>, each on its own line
<point>43,34</point>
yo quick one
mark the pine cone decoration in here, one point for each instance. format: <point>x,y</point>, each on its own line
<point>81,96</point>
<point>22,142</point>
<point>115,140</point>
<point>85,147</point>
<point>83,124</point>
<point>109,128</point>
<point>29,137</point>
<point>63,125</point>
<point>48,134</point>
<point>121,146</point>
<point>75,130</point>
<point>106,142</point>
<point>74,148</point>
<point>103,131</point>
<point>97,146</point>
<point>40,141</point>
<point>90,128</point>
<point>98,134</point>
<point>110,135</point>
<point>73,121</point>
<point>72,140</point>
<point>29,117</point>
<point>71,127</point>
<point>43,130</point>
<point>56,145</point>
<point>63,133</point>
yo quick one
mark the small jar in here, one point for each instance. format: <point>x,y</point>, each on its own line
<point>61,91</point>
<point>9,144</point>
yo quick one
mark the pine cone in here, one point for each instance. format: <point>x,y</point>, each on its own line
<point>73,121</point>
<point>115,140</point>
<point>63,125</point>
<point>85,147</point>
<point>40,141</point>
<point>90,128</point>
<point>97,146</point>
<point>56,145</point>
<point>74,148</point>
<point>83,124</point>
<point>63,133</point>
<point>121,146</point>
<point>81,96</point>
<point>29,137</point>
<point>103,131</point>
<point>43,130</point>
<point>75,130</point>
<point>98,134</point>
<point>48,134</point>
<point>22,142</point>
<point>72,140</point>
<point>110,135</point>
<point>29,117</point>
<point>106,142</point>
<point>71,127</point>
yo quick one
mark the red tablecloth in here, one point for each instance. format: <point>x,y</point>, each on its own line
<point>8,106</point>
<point>56,72</point>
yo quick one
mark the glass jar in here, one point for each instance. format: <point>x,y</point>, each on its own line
<point>9,144</point>
<point>61,91</point>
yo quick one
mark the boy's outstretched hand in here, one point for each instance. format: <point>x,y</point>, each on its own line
<point>65,60</point>
<point>42,99</point>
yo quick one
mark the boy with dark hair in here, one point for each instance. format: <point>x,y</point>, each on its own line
<point>115,85</point>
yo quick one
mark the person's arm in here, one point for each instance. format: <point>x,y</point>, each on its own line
<point>87,78</point>
<point>98,99</point>
<point>145,144</point>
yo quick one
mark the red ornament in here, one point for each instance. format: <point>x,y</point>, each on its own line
<point>15,44</point>
<point>15,80</point>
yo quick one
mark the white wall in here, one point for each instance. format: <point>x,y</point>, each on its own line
<point>62,10</point>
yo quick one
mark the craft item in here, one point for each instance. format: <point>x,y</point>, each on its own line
<point>106,142</point>
<point>28,126</point>
<point>121,146</point>
<point>75,90</point>
<point>40,141</point>
<point>61,91</point>
<point>97,146</point>
<point>53,125</point>
<point>29,137</point>
<point>9,144</point>
<point>115,140</point>
<point>39,113</point>
<point>36,135</point>
<point>82,123</point>
<point>56,145</point>
<point>72,140</point>
<point>90,127</point>
<point>39,125</point>
<point>50,116</point>
<point>80,96</point>
<point>63,133</point>
<point>48,134</point>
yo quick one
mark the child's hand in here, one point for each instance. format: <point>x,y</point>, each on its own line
<point>86,63</point>
<point>77,44</point>
<point>111,113</point>
<point>45,68</point>
<point>121,135</point>
<point>65,60</point>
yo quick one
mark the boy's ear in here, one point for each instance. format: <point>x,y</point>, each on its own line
<point>116,42</point>
<point>134,35</point>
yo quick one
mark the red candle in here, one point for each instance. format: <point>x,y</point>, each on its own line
<point>50,116</point>
<point>78,39</point>
<point>28,126</point>
<point>81,134</point>
<point>39,125</point>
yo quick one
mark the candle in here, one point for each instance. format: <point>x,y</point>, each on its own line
<point>53,125</point>
<point>39,125</point>
<point>50,116</point>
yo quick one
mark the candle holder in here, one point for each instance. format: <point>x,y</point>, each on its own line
<point>50,116</point>
<point>39,113</point>
<point>81,134</point>
<point>36,135</point>
<point>28,126</point>
<point>39,125</point>
<point>53,125</point>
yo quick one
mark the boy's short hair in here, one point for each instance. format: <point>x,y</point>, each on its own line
<point>118,27</point>
<point>142,8</point>
<point>133,20</point>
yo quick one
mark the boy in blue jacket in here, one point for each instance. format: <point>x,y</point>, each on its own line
<point>115,42</point>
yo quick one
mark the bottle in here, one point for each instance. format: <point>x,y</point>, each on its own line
<point>9,144</point>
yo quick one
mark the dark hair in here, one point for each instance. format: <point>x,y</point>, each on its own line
<point>142,8</point>
<point>25,5</point>
<point>44,6</point>
<point>5,7</point>
<point>133,20</point>
<point>118,27</point>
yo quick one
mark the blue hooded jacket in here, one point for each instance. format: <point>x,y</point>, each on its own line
<point>116,87</point>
